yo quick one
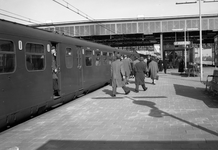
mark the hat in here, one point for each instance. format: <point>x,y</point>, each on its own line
<point>52,47</point>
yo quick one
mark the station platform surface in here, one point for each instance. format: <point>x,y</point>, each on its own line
<point>174,114</point>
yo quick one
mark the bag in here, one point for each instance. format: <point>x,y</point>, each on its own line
<point>157,77</point>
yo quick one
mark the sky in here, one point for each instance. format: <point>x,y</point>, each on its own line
<point>44,11</point>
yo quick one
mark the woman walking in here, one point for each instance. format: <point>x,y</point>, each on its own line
<point>153,69</point>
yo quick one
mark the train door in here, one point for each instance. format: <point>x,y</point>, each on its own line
<point>56,73</point>
<point>80,67</point>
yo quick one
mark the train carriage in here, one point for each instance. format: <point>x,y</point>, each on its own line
<point>26,84</point>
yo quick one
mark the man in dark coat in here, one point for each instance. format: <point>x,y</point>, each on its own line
<point>140,71</point>
<point>133,64</point>
<point>160,65</point>
<point>118,76</point>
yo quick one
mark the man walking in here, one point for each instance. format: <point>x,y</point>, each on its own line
<point>140,71</point>
<point>153,69</point>
<point>118,76</point>
<point>133,64</point>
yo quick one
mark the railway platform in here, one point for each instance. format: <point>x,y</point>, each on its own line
<point>174,114</point>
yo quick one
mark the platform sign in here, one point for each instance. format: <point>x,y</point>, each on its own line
<point>182,43</point>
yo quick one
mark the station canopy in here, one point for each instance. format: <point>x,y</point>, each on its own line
<point>133,33</point>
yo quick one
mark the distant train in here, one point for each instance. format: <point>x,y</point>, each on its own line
<point>25,91</point>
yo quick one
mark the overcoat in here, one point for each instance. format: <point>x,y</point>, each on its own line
<point>133,65</point>
<point>117,73</point>
<point>127,67</point>
<point>153,69</point>
<point>140,70</point>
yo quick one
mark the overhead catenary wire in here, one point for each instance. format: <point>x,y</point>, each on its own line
<point>17,18</point>
<point>29,20</point>
<point>21,17</point>
<point>79,12</point>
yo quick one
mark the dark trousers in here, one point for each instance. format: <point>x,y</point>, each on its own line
<point>125,89</point>
<point>56,87</point>
<point>165,70</point>
<point>55,84</point>
<point>137,87</point>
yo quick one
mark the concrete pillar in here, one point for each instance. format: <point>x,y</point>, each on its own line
<point>161,45</point>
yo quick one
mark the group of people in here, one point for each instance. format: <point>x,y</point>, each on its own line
<point>122,68</point>
<point>163,65</point>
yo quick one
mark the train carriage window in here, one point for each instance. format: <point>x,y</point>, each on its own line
<point>98,58</point>
<point>35,56</point>
<point>7,56</point>
<point>69,58</point>
<point>105,58</point>
<point>88,57</point>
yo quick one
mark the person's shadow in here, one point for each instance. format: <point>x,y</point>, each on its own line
<point>156,112</point>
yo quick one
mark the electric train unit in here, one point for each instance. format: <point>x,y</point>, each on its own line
<point>26,75</point>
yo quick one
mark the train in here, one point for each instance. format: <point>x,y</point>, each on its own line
<point>25,92</point>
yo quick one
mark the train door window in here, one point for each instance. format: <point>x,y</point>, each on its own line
<point>98,58</point>
<point>88,57</point>
<point>35,56</point>
<point>7,56</point>
<point>105,58</point>
<point>69,58</point>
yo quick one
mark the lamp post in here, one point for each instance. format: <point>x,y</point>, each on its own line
<point>185,47</point>
<point>201,53</point>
